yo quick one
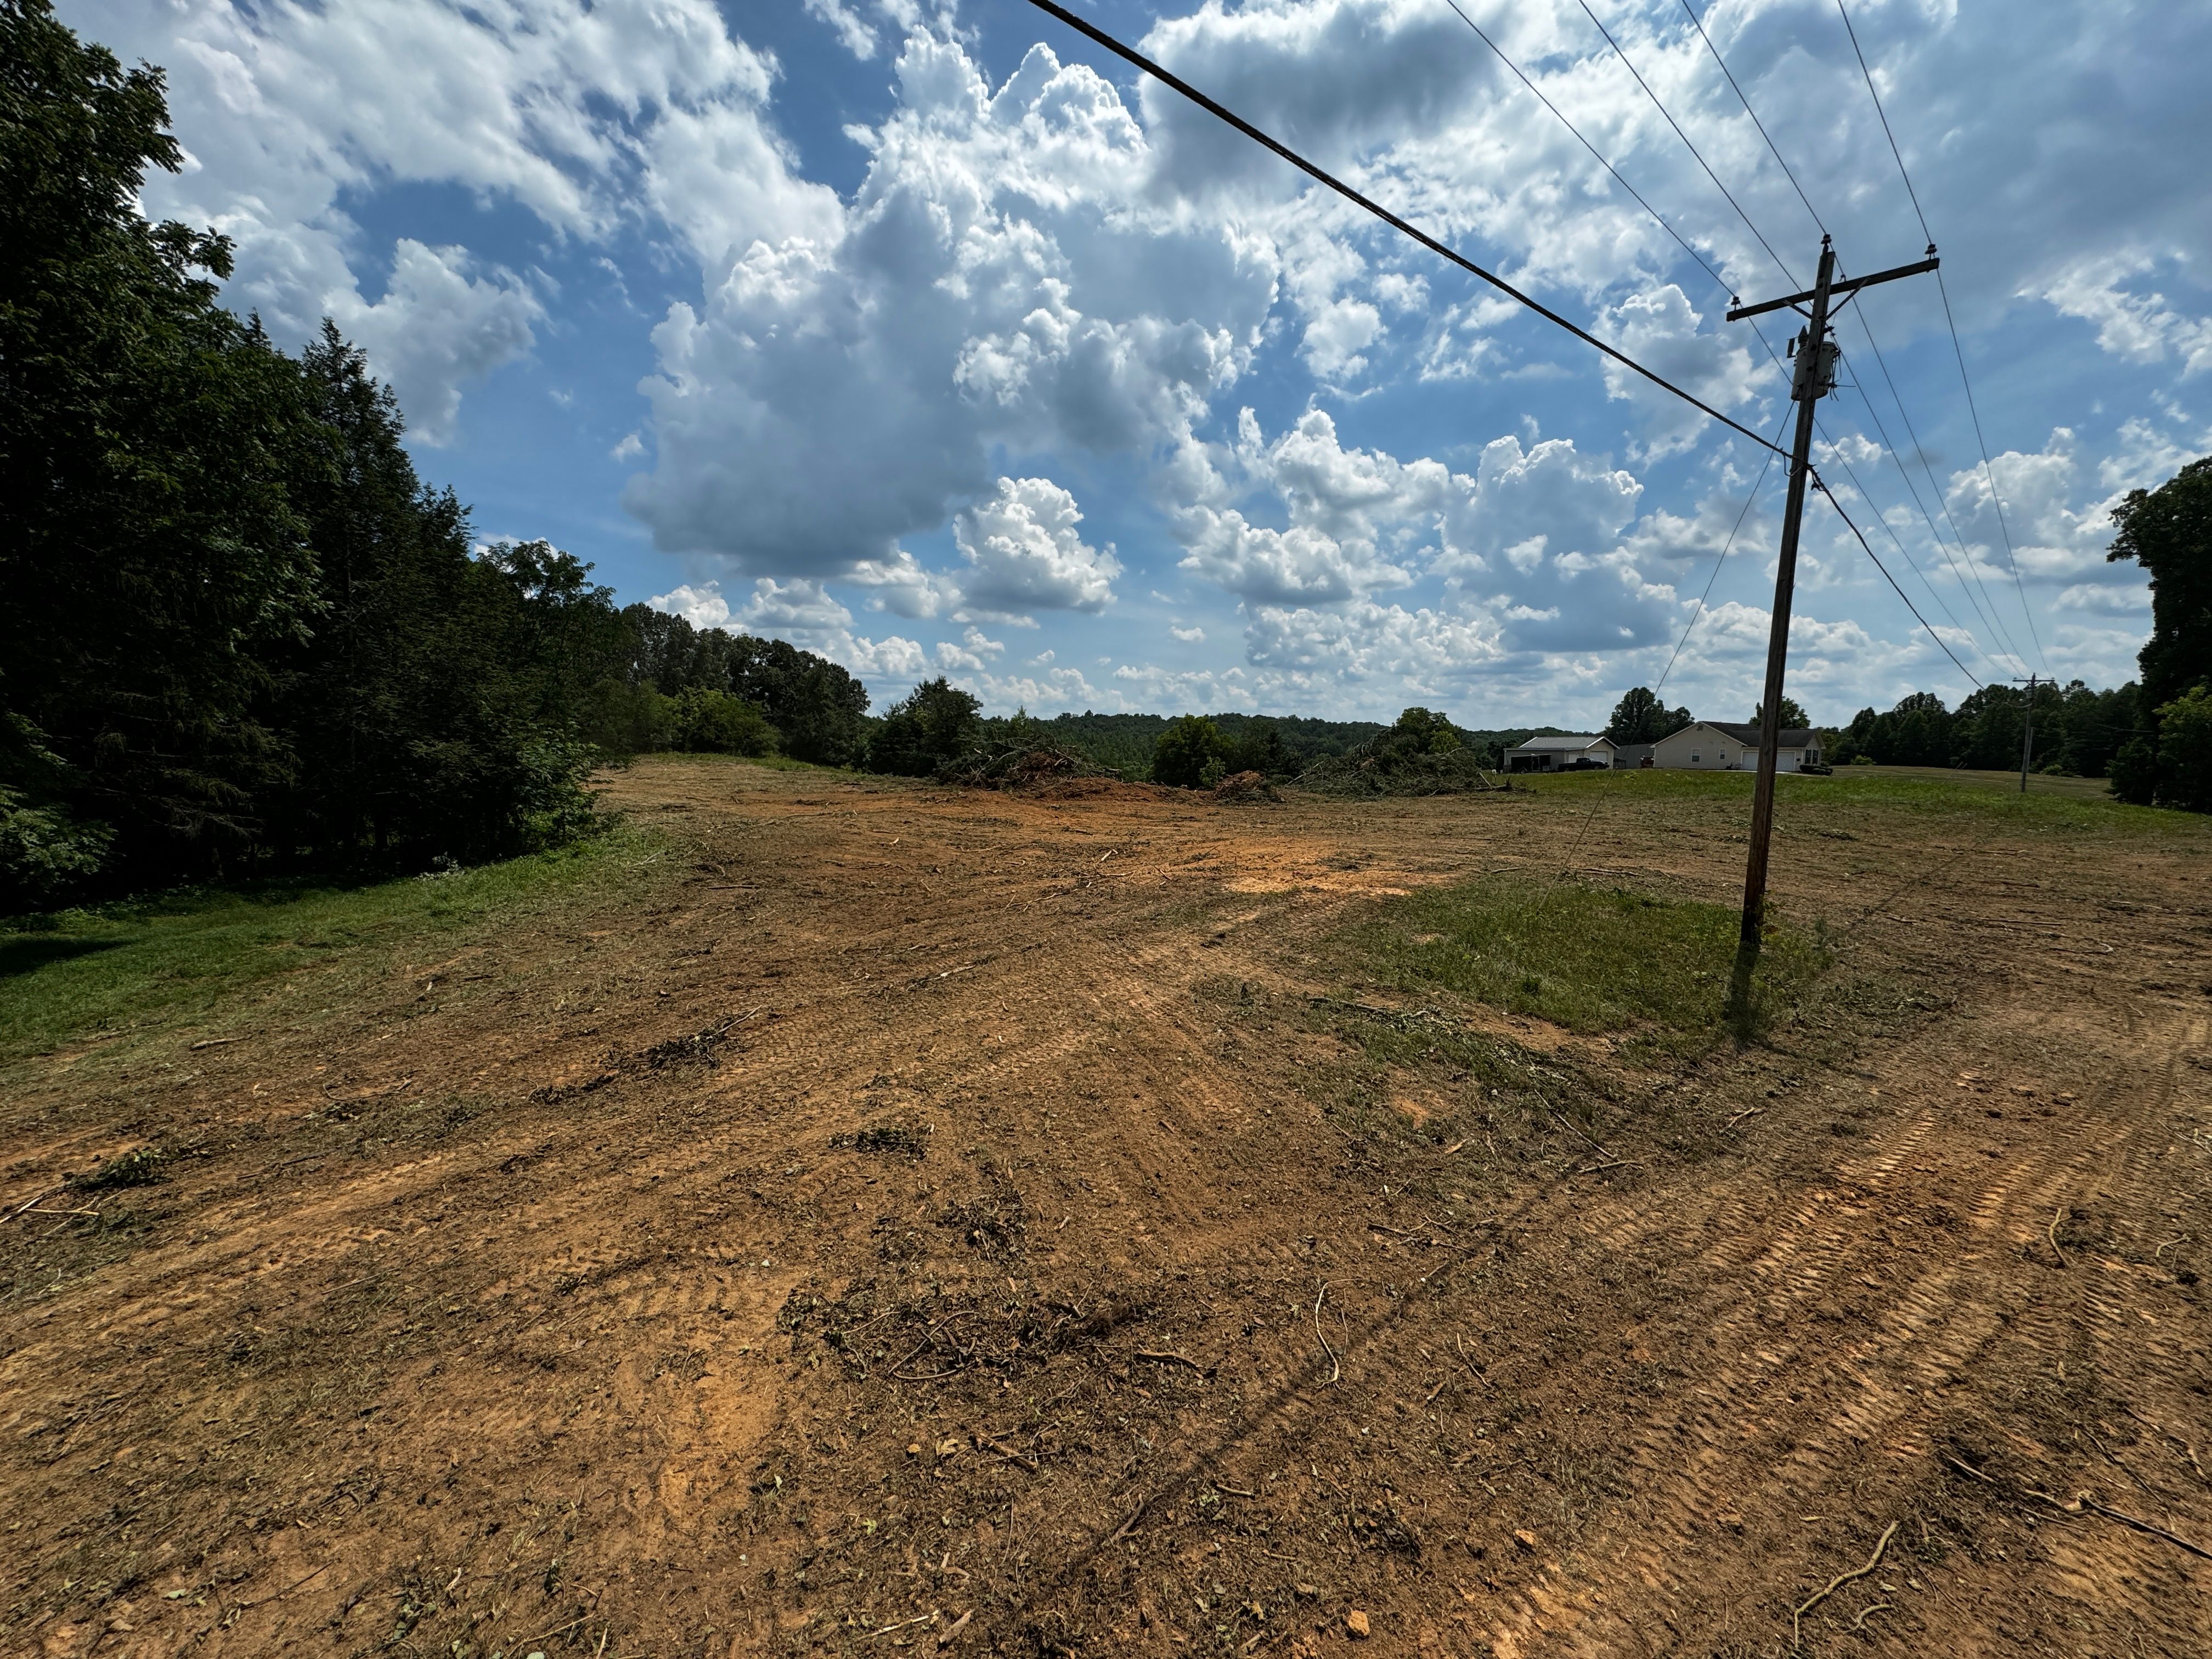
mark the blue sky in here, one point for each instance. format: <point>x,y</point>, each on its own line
<point>927,336</point>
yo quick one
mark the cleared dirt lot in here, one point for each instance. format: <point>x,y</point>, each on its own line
<point>893,1217</point>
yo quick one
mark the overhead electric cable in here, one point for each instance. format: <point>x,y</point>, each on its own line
<point>1884,115</point>
<point>1758,483</point>
<point>1159,72</point>
<point>1989,473</point>
<point>1661,219</point>
<point>1685,138</point>
<point>1774,356</point>
<point>1755,121</point>
<point>1892,580</point>
<point>1934,593</point>
<point>1991,615</point>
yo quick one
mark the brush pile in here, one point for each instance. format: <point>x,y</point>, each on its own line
<point>1380,767</point>
<point>1024,761</point>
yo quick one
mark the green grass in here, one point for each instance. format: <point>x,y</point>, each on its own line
<point>1591,959</point>
<point>182,959</point>
<point>1978,799</point>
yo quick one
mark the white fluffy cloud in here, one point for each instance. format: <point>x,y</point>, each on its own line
<point>1041,268</point>
<point>578,112</point>
<point>999,279</point>
<point>1532,541</point>
<point>438,327</point>
<point>1025,554</point>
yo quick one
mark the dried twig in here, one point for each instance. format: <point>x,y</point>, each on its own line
<point>25,1207</point>
<point>216,1042</point>
<point>1335,1367</point>
<point>929,1617</point>
<point>2086,1502</point>
<point>1964,1467</point>
<point>1603,1151</point>
<point>945,1638</point>
<point>1748,1111</point>
<point>1122,1531</point>
<point>1798,1613</point>
<point>2051,1233</point>
<point>1866,1614</point>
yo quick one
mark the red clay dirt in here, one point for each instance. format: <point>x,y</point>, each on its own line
<point>944,1221</point>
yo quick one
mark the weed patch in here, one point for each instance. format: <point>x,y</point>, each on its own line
<point>122,969</point>
<point>1592,959</point>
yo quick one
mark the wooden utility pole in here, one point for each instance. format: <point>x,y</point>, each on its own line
<point>2027,734</point>
<point>1815,377</point>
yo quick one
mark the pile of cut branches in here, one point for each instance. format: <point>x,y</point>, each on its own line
<point>1019,765</point>
<point>1379,768</point>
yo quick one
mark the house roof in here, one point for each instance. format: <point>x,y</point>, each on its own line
<point>1574,741</point>
<point>1743,732</point>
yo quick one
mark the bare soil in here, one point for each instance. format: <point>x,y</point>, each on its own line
<point>1008,1223</point>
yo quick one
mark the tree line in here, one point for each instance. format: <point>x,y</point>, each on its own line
<point>242,635</point>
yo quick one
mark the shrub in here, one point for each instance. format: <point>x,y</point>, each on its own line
<point>1190,745</point>
<point>2185,751</point>
<point>713,722</point>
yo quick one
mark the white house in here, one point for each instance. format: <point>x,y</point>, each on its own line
<point>1560,752</point>
<point>1726,746</point>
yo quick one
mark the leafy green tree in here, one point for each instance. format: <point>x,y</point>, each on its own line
<point>711,722</point>
<point>1187,749</point>
<point>1641,717</point>
<point>2168,531</point>
<point>935,722</point>
<point>2185,751</point>
<point>1794,718</point>
<point>622,719</point>
<point>147,550</point>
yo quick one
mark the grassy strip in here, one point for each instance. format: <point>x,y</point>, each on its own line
<point>181,959</point>
<point>1976,798</point>
<point>1592,959</point>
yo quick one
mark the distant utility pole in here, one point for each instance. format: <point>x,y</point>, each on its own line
<point>1815,377</point>
<point>2027,734</point>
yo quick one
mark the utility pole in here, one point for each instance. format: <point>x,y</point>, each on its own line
<point>2027,735</point>
<point>1815,377</point>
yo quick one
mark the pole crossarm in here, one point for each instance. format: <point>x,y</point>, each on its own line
<point>1851,287</point>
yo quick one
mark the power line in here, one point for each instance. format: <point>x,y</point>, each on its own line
<point>1758,483</point>
<point>1130,54</point>
<point>1773,354</point>
<point>1989,473</point>
<point>1755,121</point>
<point>1884,115</point>
<point>1988,616</point>
<point>1904,552</point>
<point>1721,281</point>
<point>1891,580</point>
<point>1997,629</point>
<point>1685,138</point>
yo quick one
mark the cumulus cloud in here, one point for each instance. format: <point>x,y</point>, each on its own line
<point>1025,554</point>
<point>1000,278</point>
<point>438,327</point>
<point>576,112</point>
<point>702,605</point>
